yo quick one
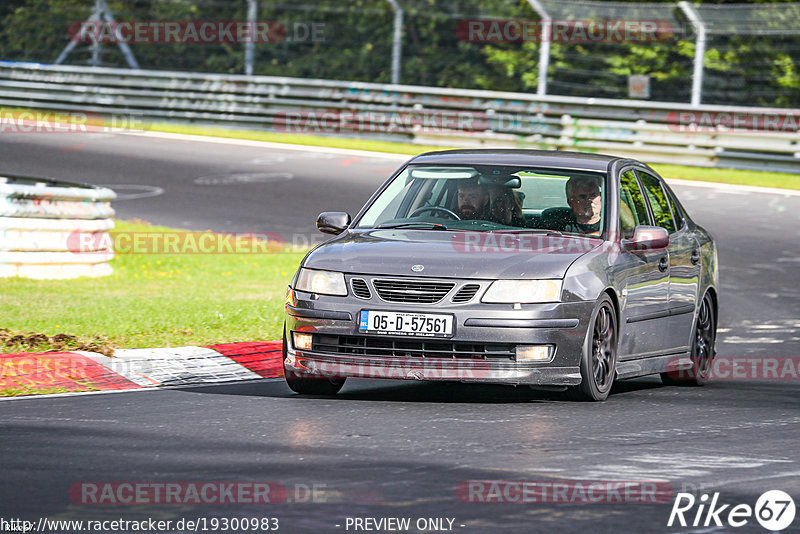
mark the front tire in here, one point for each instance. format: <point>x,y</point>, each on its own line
<point>599,360</point>
<point>307,384</point>
<point>704,337</point>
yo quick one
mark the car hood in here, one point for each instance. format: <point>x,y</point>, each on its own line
<point>448,254</point>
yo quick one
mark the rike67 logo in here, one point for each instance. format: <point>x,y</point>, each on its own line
<point>774,510</point>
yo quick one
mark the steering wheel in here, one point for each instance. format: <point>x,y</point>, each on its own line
<point>423,209</point>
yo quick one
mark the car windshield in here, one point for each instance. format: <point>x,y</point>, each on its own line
<point>491,198</point>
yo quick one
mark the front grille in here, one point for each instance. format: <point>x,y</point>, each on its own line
<point>466,293</point>
<point>360,288</point>
<point>418,291</point>
<point>406,348</point>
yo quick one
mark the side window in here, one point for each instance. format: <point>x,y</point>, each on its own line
<point>388,205</point>
<point>632,210</point>
<point>677,212</point>
<point>659,202</point>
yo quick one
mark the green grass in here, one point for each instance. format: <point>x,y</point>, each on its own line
<point>158,300</point>
<point>729,176</point>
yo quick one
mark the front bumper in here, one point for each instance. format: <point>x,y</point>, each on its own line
<point>561,325</point>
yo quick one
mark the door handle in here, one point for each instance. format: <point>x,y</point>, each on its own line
<point>663,264</point>
<point>695,258</point>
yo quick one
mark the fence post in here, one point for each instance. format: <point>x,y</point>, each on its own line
<point>699,50</point>
<point>250,46</point>
<point>99,14</point>
<point>95,62</point>
<point>397,40</point>
<point>544,48</point>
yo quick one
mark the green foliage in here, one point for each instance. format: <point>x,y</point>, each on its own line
<point>355,43</point>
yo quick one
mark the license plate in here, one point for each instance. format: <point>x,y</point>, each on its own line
<point>406,324</point>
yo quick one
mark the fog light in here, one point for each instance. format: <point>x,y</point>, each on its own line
<point>302,341</point>
<point>533,353</point>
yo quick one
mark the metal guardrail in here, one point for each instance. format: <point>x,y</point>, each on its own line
<point>51,229</point>
<point>659,132</point>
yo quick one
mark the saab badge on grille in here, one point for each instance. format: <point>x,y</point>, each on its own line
<point>417,268</point>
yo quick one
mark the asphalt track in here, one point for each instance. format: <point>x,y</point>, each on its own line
<point>398,449</point>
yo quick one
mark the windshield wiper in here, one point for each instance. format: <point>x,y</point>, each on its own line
<point>419,225</point>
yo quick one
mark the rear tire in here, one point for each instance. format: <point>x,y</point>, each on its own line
<point>704,337</point>
<point>308,384</point>
<point>599,359</point>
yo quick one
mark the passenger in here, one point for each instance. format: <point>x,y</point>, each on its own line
<point>583,197</point>
<point>507,206</point>
<point>473,201</point>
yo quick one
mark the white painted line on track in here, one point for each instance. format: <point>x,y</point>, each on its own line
<point>268,144</point>
<point>730,188</point>
<point>735,188</point>
<point>136,191</point>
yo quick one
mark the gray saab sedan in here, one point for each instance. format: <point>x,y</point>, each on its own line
<point>555,270</point>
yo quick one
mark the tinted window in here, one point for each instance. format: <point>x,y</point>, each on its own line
<point>491,198</point>
<point>676,209</point>
<point>659,201</point>
<point>632,209</point>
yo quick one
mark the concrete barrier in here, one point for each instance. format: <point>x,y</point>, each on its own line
<point>41,221</point>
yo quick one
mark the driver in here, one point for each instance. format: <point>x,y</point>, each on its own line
<point>473,201</point>
<point>583,196</point>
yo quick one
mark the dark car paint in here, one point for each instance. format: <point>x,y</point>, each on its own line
<point>653,325</point>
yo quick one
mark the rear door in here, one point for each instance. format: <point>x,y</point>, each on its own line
<point>644,279</point>
<point>684,262</point>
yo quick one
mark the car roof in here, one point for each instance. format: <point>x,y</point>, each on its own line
<point>555,159</point>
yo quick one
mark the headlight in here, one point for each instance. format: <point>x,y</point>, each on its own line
<point>322,282</point>
<point>523,291</point>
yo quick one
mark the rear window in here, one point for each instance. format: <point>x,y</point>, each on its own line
<point>659,202</point>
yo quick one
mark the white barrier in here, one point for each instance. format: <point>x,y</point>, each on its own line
<point>44,225</point>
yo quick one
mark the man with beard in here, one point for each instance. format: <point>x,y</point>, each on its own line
<point>473,201</point>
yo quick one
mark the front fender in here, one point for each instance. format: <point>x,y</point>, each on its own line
<point>591,274</point>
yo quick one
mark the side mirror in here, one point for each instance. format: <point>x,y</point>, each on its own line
<point>647,238</point>
<point>333,222</point>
